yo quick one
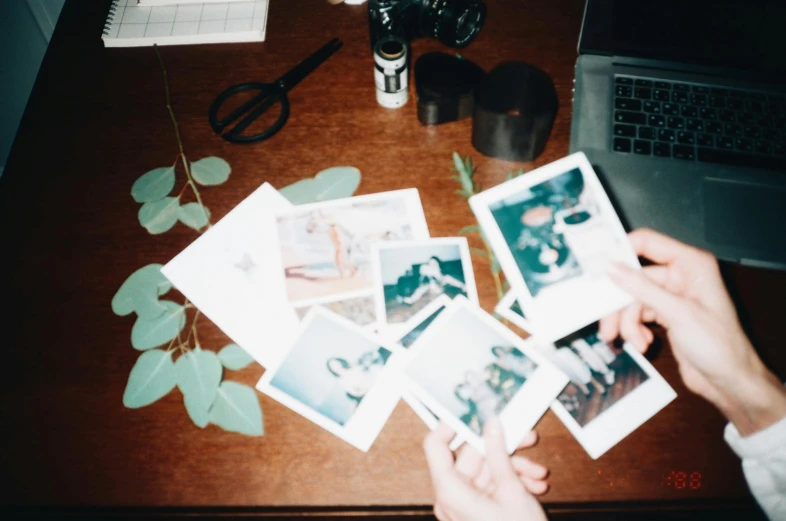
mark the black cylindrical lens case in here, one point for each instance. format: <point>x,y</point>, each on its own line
<point>445,86</point>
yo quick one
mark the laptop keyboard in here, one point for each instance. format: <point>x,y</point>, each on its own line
<point>698,122</point>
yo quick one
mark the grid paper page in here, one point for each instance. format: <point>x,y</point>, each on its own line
<point>130,25</point>
<point>146,3</point>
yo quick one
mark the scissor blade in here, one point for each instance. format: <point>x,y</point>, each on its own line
<point>307,66</point>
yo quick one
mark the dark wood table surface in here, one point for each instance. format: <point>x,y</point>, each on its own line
<point>96,121</point>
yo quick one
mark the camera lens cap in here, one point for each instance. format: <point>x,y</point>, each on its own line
<point>445,85</point>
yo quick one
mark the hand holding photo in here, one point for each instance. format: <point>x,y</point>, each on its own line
<point>467,367</point>
<point>612,391</point>
<point>409,275</point>
<point>339,376</point>
<point>554,232</point>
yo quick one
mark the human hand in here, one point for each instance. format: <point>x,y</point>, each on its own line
<point>684,293</point>
<point>470,488</point>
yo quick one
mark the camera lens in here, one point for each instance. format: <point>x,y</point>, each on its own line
<point>453,22</point>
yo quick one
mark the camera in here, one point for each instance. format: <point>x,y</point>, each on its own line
<point>453,22</point>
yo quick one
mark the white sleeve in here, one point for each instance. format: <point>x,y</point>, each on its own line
<point>764,464</point>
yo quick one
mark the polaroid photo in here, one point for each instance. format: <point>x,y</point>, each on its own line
<point>325,248</point>
<point>416,325</point>
<point>338,375</point>
<point>612,391</point>
<point>360,309</point>
<point>554,232</point>
<point>510,309</point>
<point>409,275</point>
<point>226,274</point>
<point>467,368</point>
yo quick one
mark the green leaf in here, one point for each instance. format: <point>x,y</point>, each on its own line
<point>234,357</point>
<point>495,269</point>
<point>457,162</point>
<point>469,229</point>
<point>198,374</point>
<point>478,251</point>
<point>152,377</point>
<point>237,409</point>
<point>154,185</point>
<point>140,293</point>
<point>150,333</point>
<point>333,183</point>
<point>159,216</point>
<point>210,171</point>
<point>194,215</point>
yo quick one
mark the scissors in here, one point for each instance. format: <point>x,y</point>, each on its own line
<point>269,93</point>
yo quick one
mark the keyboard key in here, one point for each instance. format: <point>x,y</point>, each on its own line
<point>642,92</point>
<point>661,149</point>
<point>686,138</point>
<point>690,112</point>
<point>634,118</point>
<point>717,101</point>
<point>675,122</point>
<point>662,85</point>
<point>661,95</point>
<point>656,120</point>
<point>738,94</point>
<point>751,132</point>
<point>623,91</point>
<point>758,96</point>
<point>624,130</point>
<point>705,140</point>
<point>725,142</point>
<point>701,90</point>
<point>743,145</point>
<point>642,147</point>
<point>652,107</point>
<point>762,147</point>
<point>707,113</point>
<point>778,149</point>
<point>621,144</point>
<point>694,125</point>
<point>627,104</point>
<point>646,133</point>
<point>699,100</point>
<point>681,87</point>
<point>711,155</point>
<point>732,129</point>
<point>765,121</point>
<point>622,80</point>
<point>671,109</point>
<point>714,127</point>
<point>684,152</point>
<point>719,92</point>
<point>735,104</point>
<point>728,116</point>
<point>665,134</point>
<point>745,118</point>
<point>678,96</point>
<point>643,83</point>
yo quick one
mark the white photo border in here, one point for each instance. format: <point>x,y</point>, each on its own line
<point>552,324</point>
<point>365,424</point>
<point>519,415</point>
<point>503,309</point>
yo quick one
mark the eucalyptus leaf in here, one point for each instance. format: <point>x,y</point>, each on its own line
<point>478,251</point>
<point>495,269</point>
<point>140,293</point>
<point>234,357</point>
<point>154,185</point>
<point>333,183</point>
<point>210,171</point>
<point>152,377</point>
<point>194,215</point>
<point>469,229</point>
<point>150,333</point>
<point>159,216</point>
<point>237,409</point>
<point>198,374</point>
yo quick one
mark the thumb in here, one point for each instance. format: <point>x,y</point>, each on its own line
<point>496,454</point>
<point>665,304</point>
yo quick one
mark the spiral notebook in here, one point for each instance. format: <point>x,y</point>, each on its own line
<point>131,25</point>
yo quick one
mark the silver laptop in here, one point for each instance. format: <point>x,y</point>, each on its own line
<point>680,106</point>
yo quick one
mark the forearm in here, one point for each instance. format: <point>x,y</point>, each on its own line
<point>753,403</point>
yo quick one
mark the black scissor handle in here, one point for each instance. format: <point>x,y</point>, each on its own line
<point>269,93</point>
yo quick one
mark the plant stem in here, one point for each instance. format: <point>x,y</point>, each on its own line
<point>177,132</point>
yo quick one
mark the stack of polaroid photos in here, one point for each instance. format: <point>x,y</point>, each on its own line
<point>350,305</point>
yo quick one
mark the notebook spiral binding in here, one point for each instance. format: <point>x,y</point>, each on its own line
<point>110,18</point>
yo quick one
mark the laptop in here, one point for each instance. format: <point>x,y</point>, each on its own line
<point>680,106</point>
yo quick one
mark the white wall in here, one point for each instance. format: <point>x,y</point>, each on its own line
<point>26,27</point>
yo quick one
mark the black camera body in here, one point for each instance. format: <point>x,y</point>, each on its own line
<point>453,22</point>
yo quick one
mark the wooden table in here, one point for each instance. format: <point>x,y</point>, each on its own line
<point>70,236</point>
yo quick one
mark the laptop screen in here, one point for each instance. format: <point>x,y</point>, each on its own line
<point>741,34</point>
